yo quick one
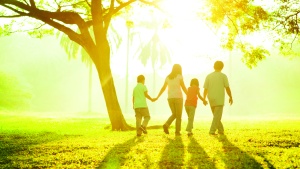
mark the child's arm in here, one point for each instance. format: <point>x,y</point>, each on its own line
<point>148,97</point>
<point>183,86</point>
<point>201,98</point>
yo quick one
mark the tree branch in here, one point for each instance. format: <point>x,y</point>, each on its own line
<point>88,3</point>
<point>32,3</point>
<point>154,3</point>
<point>291,15</point>
<point>117,9</point>
<point>16,11</point>
<point>11,16</point>
<point>50,17</point>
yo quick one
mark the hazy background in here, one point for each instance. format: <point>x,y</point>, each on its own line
<point>60,86</point>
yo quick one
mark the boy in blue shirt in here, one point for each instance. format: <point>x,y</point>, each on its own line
<point>140,93</point>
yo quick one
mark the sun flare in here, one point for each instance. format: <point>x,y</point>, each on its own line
<point>194,44</point>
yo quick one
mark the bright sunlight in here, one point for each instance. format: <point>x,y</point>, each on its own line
<point>192,43</point>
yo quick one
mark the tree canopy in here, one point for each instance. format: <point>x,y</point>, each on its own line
<point>274,22</point>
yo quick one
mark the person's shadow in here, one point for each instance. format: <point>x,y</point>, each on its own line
<point>173,154</point>
<point>233,157</point>
<point>115,158</point>
<point>199,158</point>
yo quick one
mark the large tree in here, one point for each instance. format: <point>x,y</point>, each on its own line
<point>73,15</point>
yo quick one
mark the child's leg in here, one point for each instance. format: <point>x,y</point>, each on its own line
<point>191,114</point>
<point>187,110</point>
<point>138,117</point>
<point>145,113</point>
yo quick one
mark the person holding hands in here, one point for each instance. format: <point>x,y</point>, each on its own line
<point>214,88</point>
<point>174,82</point>
<point>142,115</point>
<point>191,103</point>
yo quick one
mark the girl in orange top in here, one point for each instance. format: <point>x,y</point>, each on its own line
<point>191,103</point>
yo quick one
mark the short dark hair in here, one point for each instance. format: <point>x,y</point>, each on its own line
<point>140,78</point>
<point>194,81</point>
<point>218,65</point>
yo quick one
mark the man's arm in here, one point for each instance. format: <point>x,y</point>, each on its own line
<point>228,91</point>
<point>201,98</point>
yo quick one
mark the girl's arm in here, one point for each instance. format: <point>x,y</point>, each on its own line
<point>201,98</point>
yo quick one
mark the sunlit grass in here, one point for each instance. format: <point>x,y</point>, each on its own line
<point>31,142</point>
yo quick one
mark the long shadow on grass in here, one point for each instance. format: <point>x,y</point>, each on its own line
<point>173,154</point>
<point>116,157</point>
<point>199,158</point>
<point>234,157</point>
<point>11,145</point>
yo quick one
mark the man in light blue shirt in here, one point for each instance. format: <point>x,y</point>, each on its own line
<point>214,88</point>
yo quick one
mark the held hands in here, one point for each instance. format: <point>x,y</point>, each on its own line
<point>204,102</point>
<point>153,99</point>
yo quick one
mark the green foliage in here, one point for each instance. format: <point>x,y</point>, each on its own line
<point>252,55</point>
<point>5,30</point>
<point>245,16</point>
<point>13,94</point>
<point>32,142</point>
<point>39,33</point>
<point>241,18</point>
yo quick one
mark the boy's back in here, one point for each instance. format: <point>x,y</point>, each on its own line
<point>139,96</point>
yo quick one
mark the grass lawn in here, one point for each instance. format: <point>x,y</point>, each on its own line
<point>35,142</point>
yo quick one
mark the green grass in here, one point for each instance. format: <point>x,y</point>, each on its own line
<point>32,142</point>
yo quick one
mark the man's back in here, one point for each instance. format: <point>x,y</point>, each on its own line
<point>215,83</point>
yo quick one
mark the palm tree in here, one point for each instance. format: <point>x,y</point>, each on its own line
<point>157,52</point>
<point>153,50</point>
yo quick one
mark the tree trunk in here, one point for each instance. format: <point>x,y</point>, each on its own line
<point>113,107</point>
<point>101,58</point>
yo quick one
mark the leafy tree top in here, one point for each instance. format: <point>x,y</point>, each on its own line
<point>278,21</point>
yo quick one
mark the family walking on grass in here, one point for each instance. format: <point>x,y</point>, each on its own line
<point>215,85</point>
